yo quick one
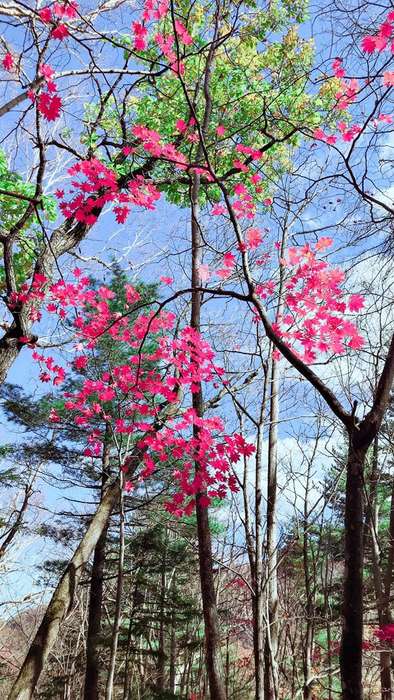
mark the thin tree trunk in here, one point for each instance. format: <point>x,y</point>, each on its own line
<point>271,643</point>
<point>309,592</point>
<point>172,672</point>
<point>258,602</point>
<point>271,679</point>
<point>386,657</point>
<point>326,584</point>
<point>126,679</point>
<point>118,601</point>
<point>135,603</point>
<point>208,595</point>
<point>91,691</point>
<point>227,668</point>
<point>15,527</point>
<point>61,601</point>
<point>161,650</point>
<point>372,519</point>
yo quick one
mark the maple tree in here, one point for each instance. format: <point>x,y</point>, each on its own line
<point>214,120</point>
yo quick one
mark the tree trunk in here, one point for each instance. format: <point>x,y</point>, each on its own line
<point>208,595</point>
<point>271,679</point>
<point>212,638</point>
<point>172,672</point>
<point>118,601</point>
<point>258,612</point>
<point>386,657</point>
<point>271,643</point>
<point>96,599</point>
<point>309,593</point>
<point>91,691</point>
<point>9,351</point>
<point>61,601</point>
<point>372,520</point>
<point>361,436</point>
<point>161,650</point>
<point>352,631</point>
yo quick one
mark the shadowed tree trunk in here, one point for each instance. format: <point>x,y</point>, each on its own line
<point>361,436</point>
<point>96,598</point>
<point>62,600</point>
<point>208,595</point>
<point>382,579</point>
<point>118,599</point>
<point>352,632</point>
<point>386,658</point>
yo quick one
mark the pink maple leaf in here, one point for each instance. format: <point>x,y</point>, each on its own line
<point>181,125</point>
<point>218,209</point>
<point>388,78</point>
<point>60,32</point>
<point>323,243</point>
<point>254,237</point>
<point>8,61</point>
<point>356,302</point>
<point>49,106</point>
<point>166,280</point>
<point>368,44</point>
<point>45,14</point>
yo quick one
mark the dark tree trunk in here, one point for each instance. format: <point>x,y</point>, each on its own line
<point>91,690</point>
<point>212,638</point>
<point>361,436</point>
<point>386,657</point>
<point>208,595</point>
<point>352,631</point>
<point>118,597</point>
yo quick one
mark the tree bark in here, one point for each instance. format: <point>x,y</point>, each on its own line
<point>161,651</point>
<point>271,643</point>
<point>386,657</point>
<point>372,519</point>
<point>208,595</point>
<point>118,601</point>
<point>352,631</point>
<point>61,601</point>
<point>173,647</point>
<point>258,603</point>
<point>91,691</point>
<point>361,436</point>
